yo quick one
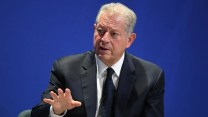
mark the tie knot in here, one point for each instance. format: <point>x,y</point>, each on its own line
<point>110,72</point>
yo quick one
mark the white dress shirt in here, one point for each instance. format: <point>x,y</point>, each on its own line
<point>101,77</point>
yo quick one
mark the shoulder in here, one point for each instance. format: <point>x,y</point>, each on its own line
<point>146,71</point>
<point>75,57</point>
<point>141,64</point>
<point>74,60</point>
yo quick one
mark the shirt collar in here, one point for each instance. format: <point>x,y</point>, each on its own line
<point>101,67</point>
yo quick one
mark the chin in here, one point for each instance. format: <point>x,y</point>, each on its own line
<point>104,56</point>
<point>105,59</point>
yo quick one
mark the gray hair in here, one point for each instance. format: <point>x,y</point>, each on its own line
<point>122,10</point>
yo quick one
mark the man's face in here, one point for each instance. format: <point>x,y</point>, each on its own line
<point>111,38</point>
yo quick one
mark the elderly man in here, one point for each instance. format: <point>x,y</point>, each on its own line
<point>107,81</point>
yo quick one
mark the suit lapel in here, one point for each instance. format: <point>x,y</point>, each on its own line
<point>89,87</point>
<point>125,86</point>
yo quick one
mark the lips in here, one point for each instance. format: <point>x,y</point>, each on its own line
<point>103,48</point>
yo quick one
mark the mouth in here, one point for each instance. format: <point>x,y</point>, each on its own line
<point>103,49</point>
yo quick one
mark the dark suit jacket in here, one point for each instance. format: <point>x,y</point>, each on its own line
<point>140,90</point>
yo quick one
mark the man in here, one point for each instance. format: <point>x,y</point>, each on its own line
<point>78,85</point>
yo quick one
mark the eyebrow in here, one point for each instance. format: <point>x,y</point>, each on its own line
<point>114,29</point>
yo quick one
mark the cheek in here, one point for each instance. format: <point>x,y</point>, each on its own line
<point>95,37</point>
<point>96,40</point>
<point>119,46</point>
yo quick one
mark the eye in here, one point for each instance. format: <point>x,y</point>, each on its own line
<point>114,35</point>
<point>100,31</point>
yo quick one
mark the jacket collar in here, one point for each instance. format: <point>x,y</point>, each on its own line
<point>89,87</point>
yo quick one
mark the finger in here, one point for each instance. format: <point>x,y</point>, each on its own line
<point>60,93</point>
<point>53,95</point>
<point>76,103</point>
<point>49,101</point>
<point>68,93</point>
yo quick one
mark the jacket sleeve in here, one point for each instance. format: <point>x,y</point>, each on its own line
<point>56,81</point>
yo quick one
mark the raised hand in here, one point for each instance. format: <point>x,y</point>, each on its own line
<point>62,101</point>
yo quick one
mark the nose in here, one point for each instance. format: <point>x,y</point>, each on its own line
<point>106,37</point>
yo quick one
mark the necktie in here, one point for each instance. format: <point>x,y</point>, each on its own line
<point>108,95</point>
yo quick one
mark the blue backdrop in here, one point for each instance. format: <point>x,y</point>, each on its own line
<point>170,33</point>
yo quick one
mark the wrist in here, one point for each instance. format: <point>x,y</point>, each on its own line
<point>53,114</point>
<point>60,113</point>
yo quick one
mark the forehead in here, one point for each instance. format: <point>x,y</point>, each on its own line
<point>111,21</point>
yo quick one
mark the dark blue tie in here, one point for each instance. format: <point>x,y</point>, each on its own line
<point>108,95</point>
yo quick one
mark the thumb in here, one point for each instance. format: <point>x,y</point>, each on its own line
<point>76,103</point>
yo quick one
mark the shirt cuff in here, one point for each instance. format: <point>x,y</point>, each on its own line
<point>54,115</point>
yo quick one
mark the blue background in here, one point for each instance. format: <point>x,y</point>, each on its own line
<point>170,33</point>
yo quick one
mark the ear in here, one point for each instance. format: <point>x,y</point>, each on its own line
<point>130,39</point>
<point>95,26</point>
